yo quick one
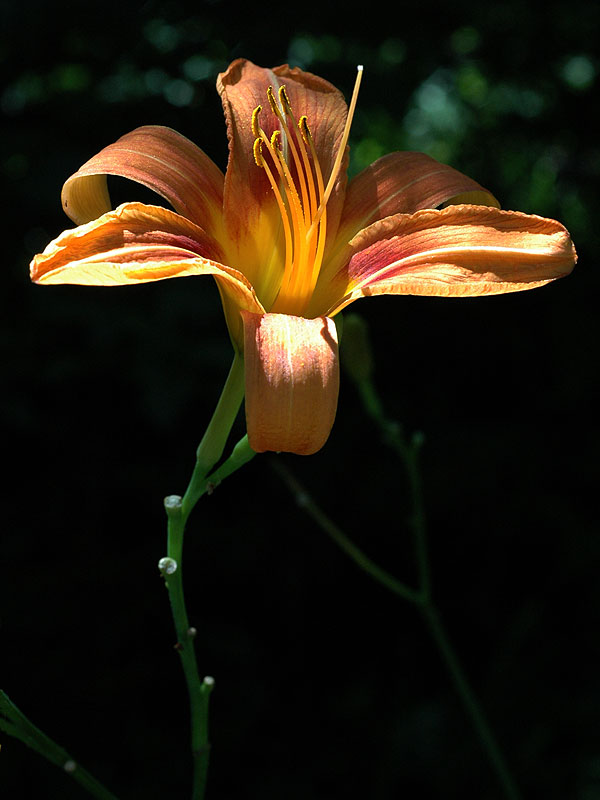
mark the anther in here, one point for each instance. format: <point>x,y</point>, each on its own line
<point>273,102</point>
<point>304,129</point>
<point>258,153</point>
<point>255,125</point>
<point>276,140</point>
<point>285,100</point>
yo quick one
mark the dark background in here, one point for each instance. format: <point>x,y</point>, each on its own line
<point>327,686</point>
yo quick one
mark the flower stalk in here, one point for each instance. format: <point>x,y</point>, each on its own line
<point>178,510</point>
<point>213,442</point>
<point>14,723</point>
<point>198,690</point>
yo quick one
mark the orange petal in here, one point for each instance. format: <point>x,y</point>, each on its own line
<point>402,183</point>
<point>458,251</point>
<point>292,381</point>
<point>159,158</point>
<point>138,243</point>
<point>133,239</point>
<point>243,87</point>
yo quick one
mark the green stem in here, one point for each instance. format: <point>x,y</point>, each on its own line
<point>422,600</point>
<point>462,686</point>
<point>393,435</point>
<point>326,524</point>
<point>178,510</point>
<point>409,453</point>
<point>217,432</point>
<point>240,455</point>
<point>16,724</point>
<point>198,690</point>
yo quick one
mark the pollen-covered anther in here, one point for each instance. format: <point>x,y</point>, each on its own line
<point>285,101</point>
<point>273,102</point>
<point>258,158</point>
<point>304,129</point>
<point>276,140</point>
<point>255,124</point>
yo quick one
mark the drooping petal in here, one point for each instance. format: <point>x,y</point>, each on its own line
<point>252,218</point>
<point>137,243</point>
<point>133,241</point>
<point>159,158</point>
<point>292,381</point>
<point>458,251</point>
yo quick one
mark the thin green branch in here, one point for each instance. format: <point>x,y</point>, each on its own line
<point>306,502</point>
<point>469,700</point>
<point>16,724</point>
<point>359,366</point>
<point>393,435</point>
<point>422,600</point>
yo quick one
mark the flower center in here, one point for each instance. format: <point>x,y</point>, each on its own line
<point>294,172</point>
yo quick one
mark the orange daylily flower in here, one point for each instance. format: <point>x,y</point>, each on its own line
<point>289,242</point>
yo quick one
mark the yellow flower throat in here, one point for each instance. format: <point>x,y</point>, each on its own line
<point>301,200</point>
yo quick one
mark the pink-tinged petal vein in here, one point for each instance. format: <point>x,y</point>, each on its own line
<point>457,251</point>
<point>402,183</point>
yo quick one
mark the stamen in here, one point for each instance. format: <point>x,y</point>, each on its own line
<point>285,103</point>
<point>311,202</point>
<point>296,211</point>
<point>307,140</point>
<point>287,232</point>
<point>272,145</point>
<point>342,148</point>
<point>300,193</point>
<point>322,226</point>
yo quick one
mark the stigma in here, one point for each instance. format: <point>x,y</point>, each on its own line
<point>291,164</point>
